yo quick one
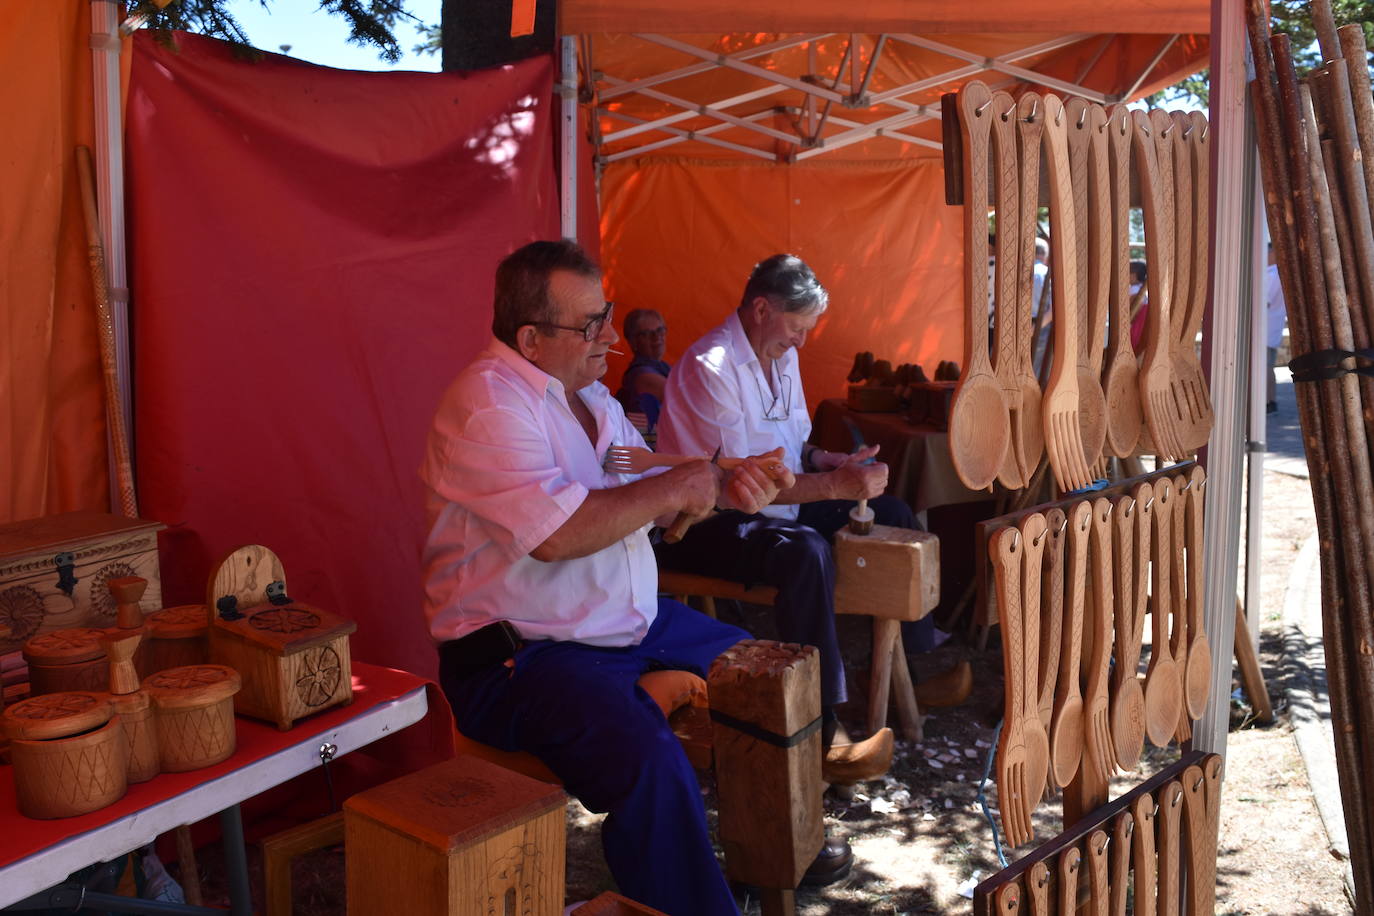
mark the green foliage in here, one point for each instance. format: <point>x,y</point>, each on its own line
<point>370,22</point>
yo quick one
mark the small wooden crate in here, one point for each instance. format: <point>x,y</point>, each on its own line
<point>294,658</point>
<point>177,636</point>
<point>54,570</point>
<point>70,659</point>
<point>461,838</point>
<point>68,754</point>
<point>892,573</point>
<point>194,710</point>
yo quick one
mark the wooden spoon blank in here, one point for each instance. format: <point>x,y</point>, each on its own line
<point>979,425</point>
<point>1066,732</point>
<point>1198,681</point>
<point>1128,699</point>
<point>1119,382</point>
<point>1163,690</point>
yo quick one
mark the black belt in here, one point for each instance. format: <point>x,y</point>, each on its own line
<point>493,644</point>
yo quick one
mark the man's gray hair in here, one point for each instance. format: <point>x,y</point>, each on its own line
<point>788,282</point>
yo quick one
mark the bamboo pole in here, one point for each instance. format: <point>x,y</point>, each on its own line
<point>119,439</point>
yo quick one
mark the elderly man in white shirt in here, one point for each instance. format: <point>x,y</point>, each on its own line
<point>540,582</point>
<point>738,388</point>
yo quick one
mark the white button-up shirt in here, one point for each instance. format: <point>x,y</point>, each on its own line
<point>717,396</point>
<point>506,465</point>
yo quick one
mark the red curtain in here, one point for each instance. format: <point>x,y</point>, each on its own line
<point>312,259</point>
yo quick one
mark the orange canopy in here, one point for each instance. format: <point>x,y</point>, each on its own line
<point>717,149</point>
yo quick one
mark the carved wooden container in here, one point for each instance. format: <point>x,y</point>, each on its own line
<point>70,659</point>
<point>54,571</point>
<point>461,838</point>
<point>68,754</point>
<point>294,658</point>
<point>177,636</point>
<point>194,708</point>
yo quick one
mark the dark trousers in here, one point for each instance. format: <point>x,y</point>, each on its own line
<point>792,556</point>
<point>578,709</point>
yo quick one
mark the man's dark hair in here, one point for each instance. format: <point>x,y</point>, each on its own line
<point>634,317</point>
<point>787,282</point>
<point>522,284</point>
<point>1139,272</point>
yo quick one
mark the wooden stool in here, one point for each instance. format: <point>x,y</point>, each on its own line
<point>893,575</point>
<point>682,585</point>
<point>279,849</point>
<point>461,838</point>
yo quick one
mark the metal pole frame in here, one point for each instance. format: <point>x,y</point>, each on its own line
<point>567,150</point>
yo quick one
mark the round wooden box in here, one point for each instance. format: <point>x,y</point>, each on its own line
<point>68,753</point>
<point>177,637</point>
<point>66,660</point>
<point>194,708</point>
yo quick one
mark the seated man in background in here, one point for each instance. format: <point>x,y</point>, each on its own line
<point>647,373</point>
<point>540,583</point>
<point>738,388</point>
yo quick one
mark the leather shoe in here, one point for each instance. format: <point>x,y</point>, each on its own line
<point>866,759</point>
<point>831,865</point>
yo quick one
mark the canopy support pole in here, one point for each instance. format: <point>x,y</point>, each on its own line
<point>567,150</point>
<point>1227,327</point>
<point>1256,445</point>
<point>109,169</point>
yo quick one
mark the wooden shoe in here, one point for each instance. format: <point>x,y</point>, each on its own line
<point>948,689</point>
<point>866,759</point>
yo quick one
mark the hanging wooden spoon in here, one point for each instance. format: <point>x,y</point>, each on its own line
<point>1145,864</point>
<point>1029,126</point>
<point>1200,431</point>
<point>1119,382</point>
<point>1185,223</point>
<point>1098,873</point>
<point>1092,407</point>
<point>1101,755</point>
<point>1051,612</point>
<point>1038,882</point>
<point>1004,550</point>
<point>1156,394</point>
<point>1196,845</point>
<point>1037,742</point>
<point>1163,690</point>
<point>1009,899</point>
<point>1198,681</point>
<point>1128,699</point>
<point>1120,875</point>
<point>1170,811</point>
<point>1014,473</point>
<point>1066,732</point>
<point>1070,867</point>
<point>1211,773</point>
<point>1178,579</point>
<point>979,425</point>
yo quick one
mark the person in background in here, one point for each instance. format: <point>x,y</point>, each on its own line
<point>1277,314</point>
<point>739,389</point>
<point>1041,297</point>
<point>1140,301</point>
<point>540,586</point>
<point>647,372</point>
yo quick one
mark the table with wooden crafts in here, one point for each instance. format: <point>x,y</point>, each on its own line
<point>38,855</point>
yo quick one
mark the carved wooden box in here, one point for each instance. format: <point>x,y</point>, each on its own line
<point>194,712</point>
<point>294,658</point>
<point>68,754</point>
<point>70,659</point>
<point>177,636</point>
<point>54,570</point>
<point>461,838</point>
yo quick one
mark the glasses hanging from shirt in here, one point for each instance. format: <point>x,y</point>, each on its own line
<point>776,407</point>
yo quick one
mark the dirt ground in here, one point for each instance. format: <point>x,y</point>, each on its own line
<point>920,836</point>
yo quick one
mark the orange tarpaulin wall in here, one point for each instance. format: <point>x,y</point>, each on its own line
<point>681,226</point>
<point>52,420</point>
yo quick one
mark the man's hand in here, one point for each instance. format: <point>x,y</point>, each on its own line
<point>697,486</point>
<point>749,487</point>
<point>822,460</point>
<point>855,480</point>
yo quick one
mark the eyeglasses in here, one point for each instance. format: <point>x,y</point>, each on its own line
<point>779,408</point>
<point>589,331</point>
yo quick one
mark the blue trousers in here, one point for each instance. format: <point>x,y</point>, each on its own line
<point>578,709</point>
<point>792,556</point>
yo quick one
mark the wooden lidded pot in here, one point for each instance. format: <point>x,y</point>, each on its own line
<point>178,636</point>
<point>194,708</point>
<point>67,660</point>
<point>68,753</point>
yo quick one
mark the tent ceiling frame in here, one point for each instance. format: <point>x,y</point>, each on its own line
<point>1149,68</point>
<point>808,126</point>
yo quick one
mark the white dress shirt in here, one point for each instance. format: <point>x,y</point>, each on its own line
<point>1275,311</point>
<point>506,464</point>
<point>717,396</point>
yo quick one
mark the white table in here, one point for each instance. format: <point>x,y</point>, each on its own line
<point>51,865</point>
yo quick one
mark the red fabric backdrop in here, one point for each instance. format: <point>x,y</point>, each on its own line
<point>312,257</point>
